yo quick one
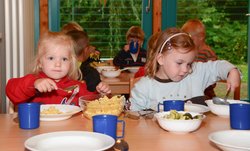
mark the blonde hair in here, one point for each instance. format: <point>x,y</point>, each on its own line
<point>168,39</point>
<point>135,32</point>
<point>71,26</point>
<point>193,27</point>
<point>55,39</point>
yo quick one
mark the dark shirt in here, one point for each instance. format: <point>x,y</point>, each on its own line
<point>124,59</point>
<point>90,75</point>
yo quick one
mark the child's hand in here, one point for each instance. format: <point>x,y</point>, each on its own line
<point>45,85</point>
<point>233,80</point>
<point>103,88</point>
<point>126,48</point>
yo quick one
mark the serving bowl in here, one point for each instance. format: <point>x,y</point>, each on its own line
<point>100,68</point>
<point>179,126</point>
<point>98,104</point>
<point>221,110</point>
<point>111,73</point>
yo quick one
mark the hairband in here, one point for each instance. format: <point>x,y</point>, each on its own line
<point>174,35</point>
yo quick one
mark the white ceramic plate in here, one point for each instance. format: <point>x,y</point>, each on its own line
<point>231,140</point>
<point>67,112</point>
<point>198,108</point>
<point>69,141</point>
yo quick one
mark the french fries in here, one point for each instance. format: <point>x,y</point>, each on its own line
<point>105,105</point>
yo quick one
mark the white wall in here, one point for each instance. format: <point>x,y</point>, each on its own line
<point>19,41</point>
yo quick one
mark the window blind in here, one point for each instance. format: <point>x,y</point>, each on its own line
<point>105,21</point>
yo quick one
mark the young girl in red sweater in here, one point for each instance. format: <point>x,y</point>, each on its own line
<point>55,69</point>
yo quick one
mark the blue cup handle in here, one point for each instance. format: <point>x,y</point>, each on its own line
<point>158,109</point>
<point>123,128</point>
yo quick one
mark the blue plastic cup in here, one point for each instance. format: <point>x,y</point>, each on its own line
<point>168,105</point>
<point>240,116</point>
<point>29,115</point>
<point>133,46</point>
<point>107,124</point>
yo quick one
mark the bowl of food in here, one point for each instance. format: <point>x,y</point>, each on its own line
<point>133,69</point>
<point>179,121</point>
<point>98,104</point>
<point>221,110</point>
<point>100,68</point>
<point>111,73</point>
<point>57,112</point>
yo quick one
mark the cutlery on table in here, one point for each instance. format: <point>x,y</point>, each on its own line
<point>217,100</point>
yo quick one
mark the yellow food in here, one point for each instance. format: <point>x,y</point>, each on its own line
<point>51,110</point>
<point>105,105</point>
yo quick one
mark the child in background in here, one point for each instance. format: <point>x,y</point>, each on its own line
<point>172,74</point>
<point>92,54</point>
<point>71,26</point>
<point>55,68</point>
<point>132,53</point>
<point>151,44</point>
<point>90,74</point>
<point>197,30</point>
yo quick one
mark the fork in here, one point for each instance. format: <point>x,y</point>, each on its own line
<point>67,89</point>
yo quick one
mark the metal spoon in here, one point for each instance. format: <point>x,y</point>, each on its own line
<point>220,101</point>
<point>121,145</point>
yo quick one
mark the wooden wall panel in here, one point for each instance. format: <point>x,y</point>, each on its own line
<point>157,15</point>
<point>44,24</point>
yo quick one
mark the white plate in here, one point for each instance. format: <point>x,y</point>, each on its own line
<point>198,108</point>
<point>68,111</point>
<point>69,141</point>
<point>231,140</point>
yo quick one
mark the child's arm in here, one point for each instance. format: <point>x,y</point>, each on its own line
<point>103,88</point>
<point>21,89</point>
<point>233,79</point>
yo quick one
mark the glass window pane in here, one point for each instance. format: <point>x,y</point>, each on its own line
<point>105,21</point>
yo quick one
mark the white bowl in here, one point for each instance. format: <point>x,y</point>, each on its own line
<point>179,126</point>
<point>111,73</point>
<point>221,110</point>
<point>133,69</point>
<point>100,68</point>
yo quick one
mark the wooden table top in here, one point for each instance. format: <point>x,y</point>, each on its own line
<point>141,135</point>
<point>120,84</point>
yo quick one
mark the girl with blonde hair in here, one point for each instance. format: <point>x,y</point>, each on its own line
<point>55,71</point>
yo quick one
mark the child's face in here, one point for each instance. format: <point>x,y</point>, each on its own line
<point>175,65</point>
<point>55,63</point>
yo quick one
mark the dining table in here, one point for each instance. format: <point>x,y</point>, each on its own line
<point>120,84</point>
<point>140,134</point>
